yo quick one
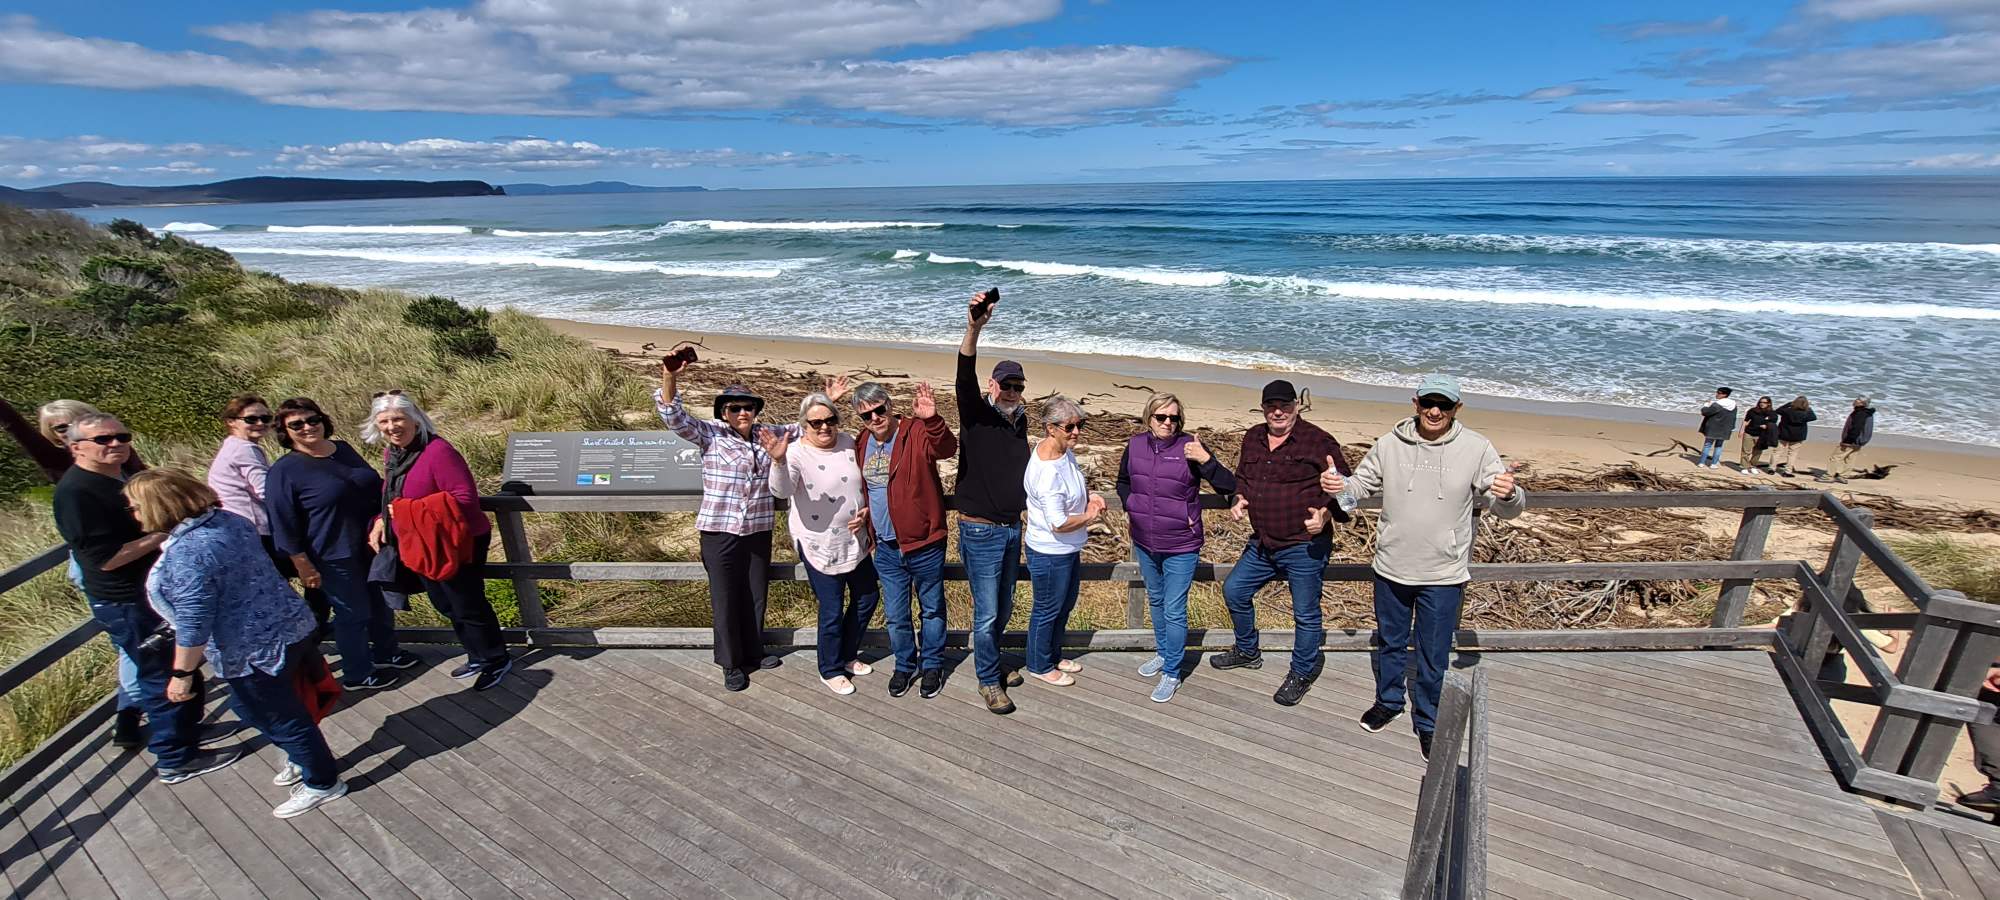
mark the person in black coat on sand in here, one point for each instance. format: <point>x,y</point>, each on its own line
<point>1793,418</point>
<point>1760,433</point>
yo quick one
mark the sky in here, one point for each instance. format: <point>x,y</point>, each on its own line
<point>829,93</point>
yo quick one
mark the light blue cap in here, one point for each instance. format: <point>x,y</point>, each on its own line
<point>1442,385</point>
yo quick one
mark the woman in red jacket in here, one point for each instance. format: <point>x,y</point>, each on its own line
<point>418,463</point>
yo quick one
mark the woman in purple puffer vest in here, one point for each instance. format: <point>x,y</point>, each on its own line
<point>1159,480</point>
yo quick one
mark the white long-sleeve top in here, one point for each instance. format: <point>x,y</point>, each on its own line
<point>827,492</point>
<point>1056,491</point>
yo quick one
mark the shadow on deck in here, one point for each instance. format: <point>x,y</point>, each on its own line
<point>630,773</point>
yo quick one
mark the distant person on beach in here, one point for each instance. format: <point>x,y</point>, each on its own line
<point>1159,481</point>
<point>905,509</point>
<point>993,456</point>
<point>1432,474</point>
<point>1718,422</point>
<point>1855,434</point>
<point>232,610</point>
<point>828,521</point>
<point>1760,433</point>
<point>1061,510</point>
<point>238,474</point>
<point>418,463</point>
<point>1291,536</point>
<point>114,554</point>
<point>1793,421</point>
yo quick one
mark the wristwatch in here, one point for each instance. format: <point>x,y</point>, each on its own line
<point>183,673</point>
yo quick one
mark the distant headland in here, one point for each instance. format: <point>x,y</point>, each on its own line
<point>79,194</point>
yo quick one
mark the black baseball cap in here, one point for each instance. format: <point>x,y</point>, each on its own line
<point>1281,390</point>
<point>1008,368</point>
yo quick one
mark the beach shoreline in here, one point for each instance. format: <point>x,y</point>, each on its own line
<point>1552,434</point>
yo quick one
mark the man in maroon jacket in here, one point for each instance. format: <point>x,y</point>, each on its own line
<point>898,458</point>
<point>1277,483</point>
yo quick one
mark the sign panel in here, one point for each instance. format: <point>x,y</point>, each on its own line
<point>600,462</point>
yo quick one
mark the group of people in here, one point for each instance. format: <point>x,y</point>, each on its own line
<point>867,513</point>
<point>180,570</point>
<point>1783,428</point>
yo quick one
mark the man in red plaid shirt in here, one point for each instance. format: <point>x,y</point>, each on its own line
<point>1277,480</point>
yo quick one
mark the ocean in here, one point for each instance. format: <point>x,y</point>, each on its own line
<point>1635,292</point>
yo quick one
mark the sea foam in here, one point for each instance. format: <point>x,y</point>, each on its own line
<point>188,227</point>
<point>368,229</point>
<point>703,269</point>
<point>732,225</point>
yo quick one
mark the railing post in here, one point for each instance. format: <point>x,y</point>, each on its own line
<point>1943,655</point>
<point>514,544</point>
<point>1751,535</point>
<point>1812,636</point>
<point>1135,598</point>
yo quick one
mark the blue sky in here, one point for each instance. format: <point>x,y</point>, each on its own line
<point>757,93</point>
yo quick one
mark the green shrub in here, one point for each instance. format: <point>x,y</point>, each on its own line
<point>131,231</point>
<point>122,306</point>
<point>475,343</point>
<point>162,381</point>
<point>442,314</point>
<point>137,271</point>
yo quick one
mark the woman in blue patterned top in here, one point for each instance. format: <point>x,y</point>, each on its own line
<point>229,605</point>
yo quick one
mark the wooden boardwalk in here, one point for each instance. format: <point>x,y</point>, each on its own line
<point>631,773</point>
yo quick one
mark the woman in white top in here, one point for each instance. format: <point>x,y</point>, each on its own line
<point>1061,509</point>
<point>237,476</point>
<point>820,474</point>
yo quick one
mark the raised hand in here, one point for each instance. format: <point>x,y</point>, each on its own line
<point>1241,509</point>
<point>976,316</point>
<point>774,443</point>
<point>1197,452</point>
<point>1330,480</point>
<point>836,387</point>
<point>1503,484</point>
<point>926,405</point>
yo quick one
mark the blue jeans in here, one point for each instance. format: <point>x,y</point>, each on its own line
<point>842,618</point>
<point>1436,610</point>
<point>1054,578</point>
<point>128,668</point>
<point>1303,567</point>
<point>920,573</point>
<point>1168,576</point>
<point>271,705</point>
<point>175,726</point>
<point>1711,451</point>
<point>364,630</point>
<point>992,557</point>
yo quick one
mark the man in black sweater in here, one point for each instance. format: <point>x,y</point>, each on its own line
<point>993,453</point>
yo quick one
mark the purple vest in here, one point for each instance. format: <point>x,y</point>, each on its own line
<point>1165,506</point>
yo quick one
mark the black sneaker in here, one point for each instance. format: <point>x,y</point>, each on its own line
<point>403,659</point>
<point>932,684</point>
<point>220,733</point>
<point>125,730</point>
<point>374,681</point>
<point>1233,658</point>
<point>200,764</point>
<point>1293,690</point>
<point>735,679</point>
<point>769,662</point>
<point>899,683</point>
<point>1424,743</point>
<point>491,674</point>
<point>466,669</point>
<point>1986,800</point>
<point>1378,717</point>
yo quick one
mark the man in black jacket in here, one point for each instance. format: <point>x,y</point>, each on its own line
<point>993,453</point>
<point>1718,421</point>
<point>1854,435</point>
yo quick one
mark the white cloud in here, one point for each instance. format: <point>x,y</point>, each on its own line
<point>526,155</point>
<point>1957,161</point>
<point>1724,106</point>
<point>621,57</point>
<point>92,156</point>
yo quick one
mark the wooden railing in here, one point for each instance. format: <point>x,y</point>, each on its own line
<point>39,660</point>
<point>1447,858</point>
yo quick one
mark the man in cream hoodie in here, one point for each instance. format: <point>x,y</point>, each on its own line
<point>1432,473</point>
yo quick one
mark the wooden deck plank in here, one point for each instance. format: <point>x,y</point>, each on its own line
<point>63,856</point>
<point>1724,698</point>
<point>164,863</point>
<point>107,849</point>
<point>1976,856</point>
<point>318,833</point>
<point>189,835</point>
<point>1903,836</point>
<point>1944,860</point>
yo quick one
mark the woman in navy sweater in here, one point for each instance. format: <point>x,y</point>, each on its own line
<point>321,498</point>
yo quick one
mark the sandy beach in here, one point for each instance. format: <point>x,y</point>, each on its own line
<point>1550,435</point>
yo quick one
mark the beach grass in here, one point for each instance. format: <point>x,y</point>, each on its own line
<point>30,616</point>
<point>1953,564</point>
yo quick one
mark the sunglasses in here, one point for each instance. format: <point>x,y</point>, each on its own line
<point>870,415</point>
<point>828,422</point>
<point>62,429</point>
<point>254,420</point>
<point>734,408</point>
<point>302,424</point>
<point>1164,419</point>
<point>393,392</point>
<point>1279,404</point>
<point>1071,427</point>
<point>106,440</point>
<point>1439,403</point>
<point>1014,386</point>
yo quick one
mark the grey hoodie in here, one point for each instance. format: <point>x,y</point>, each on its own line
<point>1429,489</point>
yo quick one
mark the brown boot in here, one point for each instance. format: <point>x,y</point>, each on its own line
<point>1013,678</point>
<point>996,699</point>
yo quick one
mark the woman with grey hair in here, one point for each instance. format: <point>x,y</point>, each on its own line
<point>829,526</point>
<point>418,463</point>
<point>1061,509</point>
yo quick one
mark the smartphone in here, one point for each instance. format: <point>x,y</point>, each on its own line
<point>987,298</point>
<point>677,359</point>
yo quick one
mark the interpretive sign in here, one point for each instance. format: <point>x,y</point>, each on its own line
<point>600,462</point>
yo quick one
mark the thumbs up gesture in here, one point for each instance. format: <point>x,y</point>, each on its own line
<point>1316,521</point>
<point>1330,480</point>
<point>1503,484</point>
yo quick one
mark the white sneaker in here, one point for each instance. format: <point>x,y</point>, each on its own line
<point>290,775</point>
<point>857,667</point>
<point>839,685</point>
<point>1152,667</point>
<point>306,799</point>
<point>1164,691</point>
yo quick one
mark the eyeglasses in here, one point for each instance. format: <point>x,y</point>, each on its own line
<point>871,414</point>
<point>734,408</point>
<point>392,392</point>
<point>1270,405</point>
<point>828,422</point>
<point>1071,427</point>
<point>1164,419</point>
<point>106,440</point>
<point>254,420</point>
<point>1438,403</point>
<point>303,423</point>
<point>62,429</point>
<point>1014,386</point>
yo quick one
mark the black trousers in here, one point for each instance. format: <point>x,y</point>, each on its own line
<point>1986,744</point>
<point>463,601</point>
<point>739,576</point>
<point>315,598</point>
